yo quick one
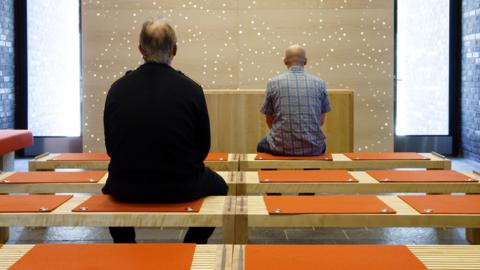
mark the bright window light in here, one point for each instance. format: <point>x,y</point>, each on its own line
<point>53,38</point>
<point>422,67</point>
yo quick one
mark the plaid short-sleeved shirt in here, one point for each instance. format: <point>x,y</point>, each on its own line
<point>296,100</point>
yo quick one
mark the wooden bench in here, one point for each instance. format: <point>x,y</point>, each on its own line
<point>251,211</point>
<point>216,211</point>
<point>45,162</point>
<point>11,141</point>
<point>249,183</point>
<point>49,188</point>
<point>206,257</point>
<point>340,161</point>
<point>434,257</point>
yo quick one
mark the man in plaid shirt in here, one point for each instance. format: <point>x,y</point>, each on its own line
<point>295,106</point>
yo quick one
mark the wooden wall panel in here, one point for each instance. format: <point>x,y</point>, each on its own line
<point>242,134</point>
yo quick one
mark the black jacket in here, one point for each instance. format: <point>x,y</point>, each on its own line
<point>157,134</point>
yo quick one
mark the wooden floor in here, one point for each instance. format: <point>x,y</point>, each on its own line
<point>409,236</point>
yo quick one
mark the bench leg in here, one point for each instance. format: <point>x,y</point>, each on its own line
<point>241,229</point>
<point>241,220</point>
<point>473,235</point>
<point>7,162</point>
<point>4,234</point>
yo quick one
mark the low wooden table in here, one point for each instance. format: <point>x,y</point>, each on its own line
<point>216,211</point>
<point>434,257</point>
<point>10,141</point>
<point>248,183</point>
<point>251,211</point>
<point>49,188</point>
<point>341,161</point>
<point>44,163</point>
<point>206,257</point>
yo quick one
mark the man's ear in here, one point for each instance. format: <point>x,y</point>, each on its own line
<point>174,51</point>
<point>285,61</point>
<point>306,61</point>
<point>141,49</point>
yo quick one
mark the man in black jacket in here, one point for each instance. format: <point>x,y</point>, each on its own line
<point>157,134</point>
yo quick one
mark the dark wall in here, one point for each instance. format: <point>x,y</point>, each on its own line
<point>7,67</point>
<point>471,79</point>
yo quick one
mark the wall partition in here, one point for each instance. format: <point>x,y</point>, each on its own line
<point>233,44</point>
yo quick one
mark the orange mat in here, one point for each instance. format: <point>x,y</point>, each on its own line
<point>12,140</point>
<point>385,156</point>
<point>265,156</point>
<point>315,176</point>
<point>385,176</point>
<point>31,203</point>
<point>331,257</point>
<point>53,177</point>
<point>81,157</point>
<point>217,157</point>
<point>107,257</point>
<point>444,204</point>
<point>106,203</point>
<point>327,204</point>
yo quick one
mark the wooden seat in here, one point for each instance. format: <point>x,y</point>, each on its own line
<point>11,141</point>
<point>39,188</point>
<point>216,211</point>
<point>434,257</point>
<point>251,211</point>
<point>47,162</point>
<point>341,161</point>
<point>205,257</point>
<point>249,183</point>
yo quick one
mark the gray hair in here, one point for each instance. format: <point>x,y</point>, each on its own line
<point>158,40</point>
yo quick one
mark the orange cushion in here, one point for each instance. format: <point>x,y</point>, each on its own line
<point>327,204</point>
<point>293,176</point>
<point>12,140</point>
<point>331,257</point>
<point>81,157</point>
<point>385,156</point>
<point>31,203</point>
<point>53,177</point>
<point>444,204</point>
<point>265,156</point>
<point>106,203</point>
<point>387,176</point>
<point>107,257</point>
<point>105,157</point>
<point>217,157</point>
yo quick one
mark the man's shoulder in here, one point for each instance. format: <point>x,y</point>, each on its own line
<point>279,77</point>
<point>313,77</point>
<point>182,76</point>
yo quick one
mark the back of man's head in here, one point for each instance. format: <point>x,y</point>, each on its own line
<point>295,55</point>
<point>158,41</point>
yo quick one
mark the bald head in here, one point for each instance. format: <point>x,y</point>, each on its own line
<point>295,55</point>
<point>158,42</point>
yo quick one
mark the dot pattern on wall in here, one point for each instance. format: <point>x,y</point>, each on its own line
<point>233,44</point>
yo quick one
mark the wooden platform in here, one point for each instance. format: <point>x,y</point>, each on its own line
<point>44,163</point>
<point>435,257</point>
<point>216,211</point>
<point>340,161</point>
<point>251,211</point>
<point>78,187</point>
<point>206,257</point>
<point>249,183</point>
<point>243,134</point>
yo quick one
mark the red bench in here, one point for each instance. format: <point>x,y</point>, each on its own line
<point>11,141</point>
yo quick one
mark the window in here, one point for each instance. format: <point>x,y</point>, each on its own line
<point>422,93</point>
<point>53,40</point>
